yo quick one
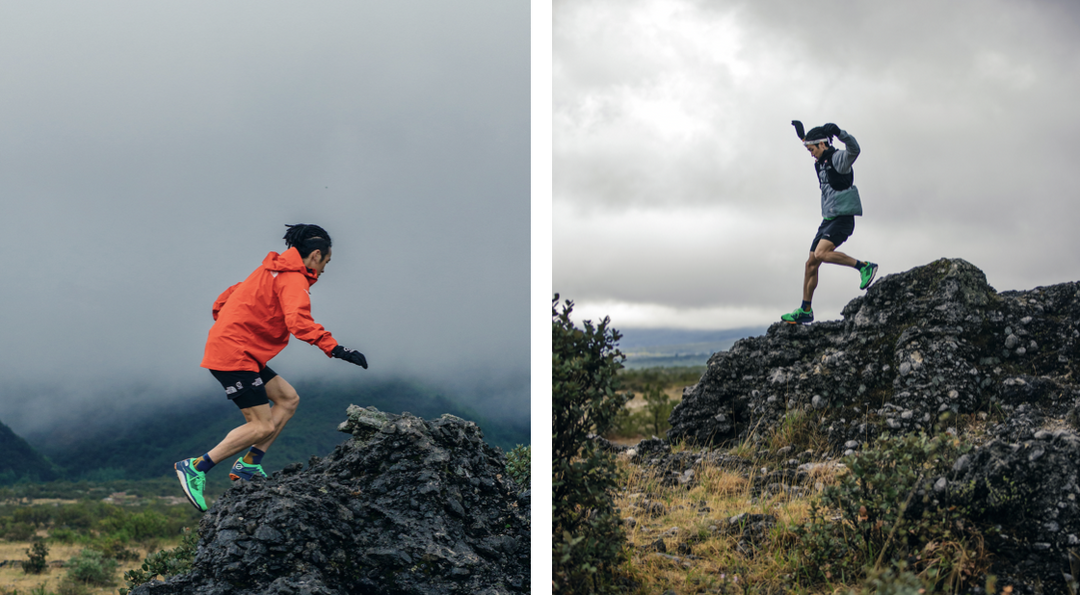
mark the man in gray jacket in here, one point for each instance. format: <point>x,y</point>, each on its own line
<point>839,205</point>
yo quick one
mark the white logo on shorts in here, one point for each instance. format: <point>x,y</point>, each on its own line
<point>230,390</point>
<point>257,382</point>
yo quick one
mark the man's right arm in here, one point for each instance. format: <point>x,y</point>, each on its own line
<point>843,160</point>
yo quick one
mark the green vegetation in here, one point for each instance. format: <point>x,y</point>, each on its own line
<point>889,514</point>
<point>519,466</point>
<point>121,455</point>
<point>163,564</point>
<point>653,384</point>
<point>91,567</point>
<point>35,562</point>
<point>650,420</point>
<point>588,537</point>
<point>107,533</point>
<point>638,380</point>
<point>21,463</point>
<point>105,527</point>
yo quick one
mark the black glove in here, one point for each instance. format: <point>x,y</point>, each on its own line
<point>350,355</point>
<point>831,129</point>
<point>799,129</point>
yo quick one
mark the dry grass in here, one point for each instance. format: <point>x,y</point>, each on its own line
<point>702,557</point>
<point>13,578</point>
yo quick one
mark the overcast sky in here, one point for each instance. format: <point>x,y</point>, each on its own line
<point>683,198</point>
<point>151,153</point>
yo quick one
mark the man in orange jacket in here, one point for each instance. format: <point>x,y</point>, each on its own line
<point>252,323</point>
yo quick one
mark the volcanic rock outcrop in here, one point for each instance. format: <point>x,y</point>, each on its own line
<point>919,351</point>
<point>406,506</point>
<point>931,340</point>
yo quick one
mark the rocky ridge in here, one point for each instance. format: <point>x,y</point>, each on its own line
<point>405,506</point>
<point>920,351</point>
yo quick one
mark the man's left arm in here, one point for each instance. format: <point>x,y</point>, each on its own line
<point>292,289</point>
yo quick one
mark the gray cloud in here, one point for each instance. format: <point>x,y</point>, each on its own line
<point>681,192</point>
<point>149,157</point>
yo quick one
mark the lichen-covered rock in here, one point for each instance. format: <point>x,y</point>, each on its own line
<point>406,506</point>
<point>920,343</point>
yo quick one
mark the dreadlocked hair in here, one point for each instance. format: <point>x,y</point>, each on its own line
<point>307,238</point>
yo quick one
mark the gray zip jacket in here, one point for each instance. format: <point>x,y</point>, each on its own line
<point>836,203</point>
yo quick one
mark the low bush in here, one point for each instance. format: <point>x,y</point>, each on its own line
<point>519,466</point>
<point>35,558</point>
<point>888,512</point>
<point>19,531</point>
<point>91,567</point>
<point>164,563</point>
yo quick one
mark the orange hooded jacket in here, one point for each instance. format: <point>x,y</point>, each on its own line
<point>253,319</point>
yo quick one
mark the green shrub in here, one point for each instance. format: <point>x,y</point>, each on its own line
<point>63,535</point>
<point>587,536</point>
<point>519,466</point>
<point>91,567</point>
<point>650,420</point>
<point>136,526</point>
<point>114,547</point>
<point>35,558</point>
<point>888,512</point>
<point>19,531</point>
<point>164,563</point>
<point>894,580</point>
<point>657,409</point>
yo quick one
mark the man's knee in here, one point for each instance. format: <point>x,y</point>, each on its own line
<point>282,394</point>
<point>265,429</point>
<point>288,399</point>
<point>259,429</point>
<point>820,254</point>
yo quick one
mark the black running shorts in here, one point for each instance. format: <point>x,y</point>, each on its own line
<point>836,230</point>
<point>246,389</point>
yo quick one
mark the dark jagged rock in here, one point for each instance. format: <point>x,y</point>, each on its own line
<point>406,506</point>
<point>1030,489</point>
<point>933,340</point>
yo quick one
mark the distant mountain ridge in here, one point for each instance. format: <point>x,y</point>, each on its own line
<point>144,443</point>
<point>667,347</point>
<point>20,461</point>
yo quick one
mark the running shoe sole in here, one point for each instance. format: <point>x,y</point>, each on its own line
<point>793,320</point>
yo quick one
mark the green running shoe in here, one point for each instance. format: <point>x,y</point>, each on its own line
<point>192,480</point>
<point>241,470</point>
<point>867,271</point>
<point>799,316</point>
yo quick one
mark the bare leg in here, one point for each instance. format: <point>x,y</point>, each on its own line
<point>825,252</point>
<point>259,425</point>
<point>810,276</point>
<point>285,400</point>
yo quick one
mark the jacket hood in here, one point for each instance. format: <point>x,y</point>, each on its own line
<point>288,261</point>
